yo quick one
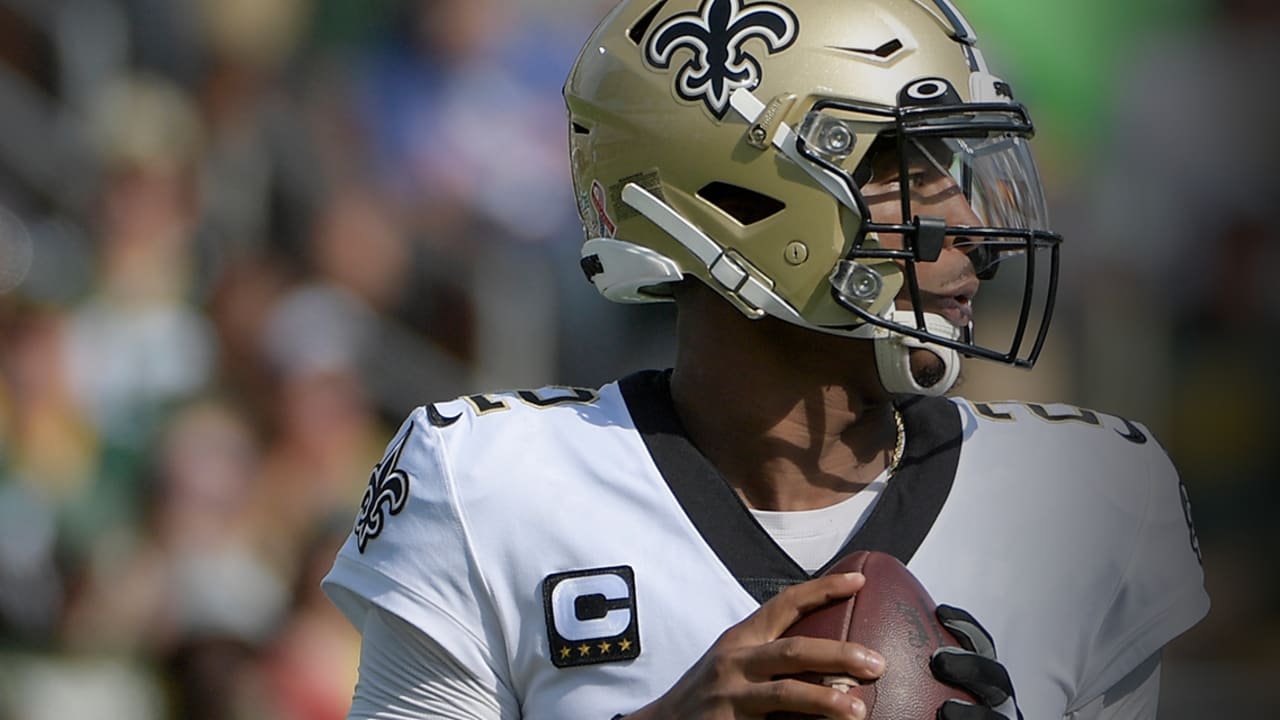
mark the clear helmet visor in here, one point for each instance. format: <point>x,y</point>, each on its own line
<point>991,164</point>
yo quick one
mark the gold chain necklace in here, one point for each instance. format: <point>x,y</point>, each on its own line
<point>901,446</point>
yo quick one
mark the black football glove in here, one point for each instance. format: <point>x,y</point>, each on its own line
<point>974,669</point>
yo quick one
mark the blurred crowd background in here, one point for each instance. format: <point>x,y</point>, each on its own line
<point>240,239</point>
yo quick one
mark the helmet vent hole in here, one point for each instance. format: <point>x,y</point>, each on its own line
<point>748,207</point>
<point>889,48</point>
<point>637,31</point>
<point>580,129</point>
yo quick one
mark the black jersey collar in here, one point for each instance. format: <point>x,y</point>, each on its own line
<point>902,516</point>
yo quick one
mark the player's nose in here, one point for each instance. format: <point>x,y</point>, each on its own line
<point>959,212</point>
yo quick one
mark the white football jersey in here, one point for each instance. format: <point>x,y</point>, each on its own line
<point>574,547</point>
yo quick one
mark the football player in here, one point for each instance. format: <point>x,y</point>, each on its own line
<point>840,199</point>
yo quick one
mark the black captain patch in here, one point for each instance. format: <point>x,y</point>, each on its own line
<point>591,616</point>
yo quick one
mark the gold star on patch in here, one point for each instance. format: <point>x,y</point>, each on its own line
<point>605,647</point>
<point>625,645</point>
<point>565,652</point>
<point>584,650</point>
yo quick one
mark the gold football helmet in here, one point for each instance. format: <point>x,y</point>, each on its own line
<point>849,166</point>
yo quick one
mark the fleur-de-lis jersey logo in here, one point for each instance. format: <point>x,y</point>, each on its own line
<point>387,493</point>
<point>717,35</point>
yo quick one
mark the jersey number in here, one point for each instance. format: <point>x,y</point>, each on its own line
<point>546,398</point>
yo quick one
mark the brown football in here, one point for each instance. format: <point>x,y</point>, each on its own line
<point>893,615</point>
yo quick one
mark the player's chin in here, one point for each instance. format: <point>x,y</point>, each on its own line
<point>927,368</point>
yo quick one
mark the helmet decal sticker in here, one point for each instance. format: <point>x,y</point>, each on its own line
<point>717,35</point>
<point>600,203</point>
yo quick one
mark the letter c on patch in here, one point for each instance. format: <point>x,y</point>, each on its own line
<point>565,602</point>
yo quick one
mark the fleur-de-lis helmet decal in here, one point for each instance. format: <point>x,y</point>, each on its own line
<point>717,36</point>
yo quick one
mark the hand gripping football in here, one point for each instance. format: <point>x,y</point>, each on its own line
<point>893,615</point>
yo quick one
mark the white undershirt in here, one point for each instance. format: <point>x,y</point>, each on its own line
<point>812,537</point>
<point>406,675</point>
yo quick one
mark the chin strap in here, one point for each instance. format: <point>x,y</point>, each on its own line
<point>893,355</point>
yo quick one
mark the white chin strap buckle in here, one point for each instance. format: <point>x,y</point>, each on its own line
<point>893,355</point>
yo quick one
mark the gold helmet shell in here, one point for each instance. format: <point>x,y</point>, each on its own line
<point>692,131</point>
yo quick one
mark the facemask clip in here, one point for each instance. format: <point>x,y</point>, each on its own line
<point>763,129</point>
<point>931,233</point>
